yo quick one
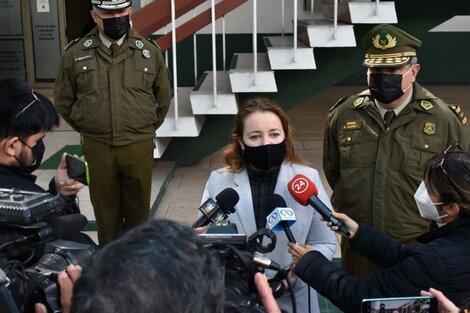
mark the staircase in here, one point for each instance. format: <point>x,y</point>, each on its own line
<point>218,90</point>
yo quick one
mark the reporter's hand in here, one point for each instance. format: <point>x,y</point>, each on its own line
<point>200,230</point>
<point>266,294</point>
<point>66,280</point>
<point>297,251</point>
<point>444,305</point>
<point>350,224</point>
<point>64,185</point>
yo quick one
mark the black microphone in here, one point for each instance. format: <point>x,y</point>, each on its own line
<point>304,191</point>
<point>282,217</point>
<point>214,212</point>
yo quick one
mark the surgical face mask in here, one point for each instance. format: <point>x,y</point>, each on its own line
<point>386,88</point>
<point>116,27</point>
<point>426,207</point>
<point>265,157</point>
<point>38,153</point>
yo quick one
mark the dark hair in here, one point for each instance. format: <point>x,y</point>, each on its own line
<point>233,154</point>
<point>453,185</point>
<point>159,266</point>
<point>41,115</point>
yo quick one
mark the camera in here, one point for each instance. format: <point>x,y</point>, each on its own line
<point>242,258</point>
<point>36,243</point>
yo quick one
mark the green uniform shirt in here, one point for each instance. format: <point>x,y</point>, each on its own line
<point>374,172</point>
<point>118,100</point>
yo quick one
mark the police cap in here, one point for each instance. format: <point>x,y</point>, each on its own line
<point>110,5</point>
<point>389,46</point>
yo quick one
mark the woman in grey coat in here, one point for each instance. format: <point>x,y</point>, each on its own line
<point>260,161</point>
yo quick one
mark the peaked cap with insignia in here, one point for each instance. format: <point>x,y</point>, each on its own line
<point>111,5</point>
<point>389,46</point>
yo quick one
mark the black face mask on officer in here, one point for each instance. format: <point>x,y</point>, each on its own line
<point>116,27</point>
<point>37,152</point>
<point>265,157</point>
<point>386,88</point>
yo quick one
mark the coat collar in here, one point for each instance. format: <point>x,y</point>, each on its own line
<point>445,230</point>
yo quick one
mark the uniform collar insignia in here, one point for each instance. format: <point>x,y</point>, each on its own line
<point>384,41</point>
<point>88,43</point>
<point>358,102</point>
<point>425,104</point>
<point>429,128</point>
<point>139,44</point>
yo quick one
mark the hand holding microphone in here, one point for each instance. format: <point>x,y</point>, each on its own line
<point>304,191</point>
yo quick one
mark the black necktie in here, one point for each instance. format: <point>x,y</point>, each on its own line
<point>388,117</point>
<point>114,48</point>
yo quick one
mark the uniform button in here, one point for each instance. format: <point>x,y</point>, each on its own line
<point>426,146</point>
<point>84,68</point>
<point>145,69</point>
<point>348,139</point>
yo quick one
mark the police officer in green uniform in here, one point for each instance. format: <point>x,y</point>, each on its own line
<point>113,87</point>
<point>377,142</point>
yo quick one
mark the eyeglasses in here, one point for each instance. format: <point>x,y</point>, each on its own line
<point>21,112</point>
<point>439,162</point>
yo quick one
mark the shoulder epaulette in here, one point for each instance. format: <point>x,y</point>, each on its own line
<point>71,43</point>
<point>339,102</point>
<point>459,112</point>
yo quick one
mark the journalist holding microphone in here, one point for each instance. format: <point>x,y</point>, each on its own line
<point>260,161</point>
<point>441,260</point>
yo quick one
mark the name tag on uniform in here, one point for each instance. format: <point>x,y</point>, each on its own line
<point>351,125</point>
<point>82,58</point>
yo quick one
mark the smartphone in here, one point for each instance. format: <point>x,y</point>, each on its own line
<point>422,304</point>
<point>77,168</point>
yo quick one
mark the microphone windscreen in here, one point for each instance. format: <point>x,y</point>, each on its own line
<point>302,188</point>
<point>67,226</point>
<point>227,199</point>
<point>276,201</point>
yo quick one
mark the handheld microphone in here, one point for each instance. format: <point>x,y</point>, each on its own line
<point>282,217</point>
<point>217,211</point>
<point>304,191</point>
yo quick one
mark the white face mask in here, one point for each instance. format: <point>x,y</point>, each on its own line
<point>426,207</point>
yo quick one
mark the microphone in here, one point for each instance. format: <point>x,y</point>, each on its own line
<point>304,191</point>
<point>282,217</point>
<point>263,261</point>
<point>217,211</point>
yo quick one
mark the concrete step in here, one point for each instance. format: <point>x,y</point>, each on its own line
<point>281,54</point>
<point>458,23</point>
<point>202,96</point>
<point>244,79</point>
<point>320,33</point>
<point>188,124</point>
<point>362,12</point>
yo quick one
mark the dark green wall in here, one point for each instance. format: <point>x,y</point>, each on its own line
<point>444,58</point>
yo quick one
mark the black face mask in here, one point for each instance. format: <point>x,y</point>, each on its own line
<point>38,154</point>
<point>386,88</point>
<point>116,27</point>
<point>265,157</point>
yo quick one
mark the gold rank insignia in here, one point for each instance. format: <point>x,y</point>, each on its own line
<point>425,104</point>
<point>350,125</point>
<point>429,128</point>
<point>358,101</point>
<point>139,44</point>
<point>88,43</point>
<point>458,111</point>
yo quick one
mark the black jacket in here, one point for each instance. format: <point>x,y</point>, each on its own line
<point>442,261</point>
<point>11,177</point>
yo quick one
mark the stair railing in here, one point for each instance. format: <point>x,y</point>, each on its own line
<point>295,30</point>
<point>214,53</point>
<point>255,42</point>
<point>175,70</point>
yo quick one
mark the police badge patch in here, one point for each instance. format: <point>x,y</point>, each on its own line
<point>88,43</point>
<point>429,128</point>
<point>146,54</point>
<point>139,44</point>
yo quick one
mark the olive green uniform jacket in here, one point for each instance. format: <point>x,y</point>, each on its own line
<point>119,100</point>
<point>374,172</point>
